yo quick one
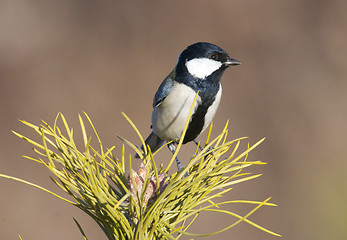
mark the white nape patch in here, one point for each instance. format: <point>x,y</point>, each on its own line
<point>211,111</point>
<point>202,67</point>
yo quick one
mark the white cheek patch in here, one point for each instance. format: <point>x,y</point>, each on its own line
<point>202,67</point>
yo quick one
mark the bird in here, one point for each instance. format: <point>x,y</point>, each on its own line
<point>199,69</point>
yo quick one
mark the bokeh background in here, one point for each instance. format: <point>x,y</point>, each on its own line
<point>105,57</point>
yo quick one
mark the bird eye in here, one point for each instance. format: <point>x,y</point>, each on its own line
<point>214,57</point>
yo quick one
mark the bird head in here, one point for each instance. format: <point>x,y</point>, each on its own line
<point>202,59</point>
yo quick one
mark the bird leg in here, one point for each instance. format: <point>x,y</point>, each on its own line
<point>172,148</point>
<point>201,148</point>
<point>180,166</point>
<point>197,144</point>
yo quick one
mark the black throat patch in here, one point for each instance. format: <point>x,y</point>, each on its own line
<point>208,89</point>
<point>197,123</point>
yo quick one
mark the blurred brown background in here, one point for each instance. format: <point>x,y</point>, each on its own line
<point>105,57</point>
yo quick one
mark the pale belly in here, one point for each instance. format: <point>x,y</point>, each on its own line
<point>170,116</point>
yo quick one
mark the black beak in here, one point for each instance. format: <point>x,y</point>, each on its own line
<point>231,62</point>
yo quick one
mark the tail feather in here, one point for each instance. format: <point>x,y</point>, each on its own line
<point>154,142</point>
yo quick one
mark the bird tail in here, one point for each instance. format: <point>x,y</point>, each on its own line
<point>154,142</point>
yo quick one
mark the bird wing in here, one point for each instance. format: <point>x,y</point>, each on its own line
<point>164,88</point>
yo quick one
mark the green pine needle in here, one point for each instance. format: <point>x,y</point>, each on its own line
<point>147,203</point>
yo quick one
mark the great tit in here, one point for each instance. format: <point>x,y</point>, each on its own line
<point>199,69</point>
